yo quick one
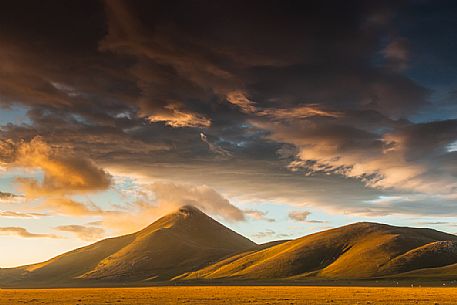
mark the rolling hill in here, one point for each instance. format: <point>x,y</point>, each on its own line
<point>357,251</point>
<point>190,246</point>
<point>176,243</point>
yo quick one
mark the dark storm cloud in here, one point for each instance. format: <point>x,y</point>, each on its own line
<point>176,61</point>
<point>229,93</point>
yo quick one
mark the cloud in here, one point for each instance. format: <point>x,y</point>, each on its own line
<point>167,75</point>
<point>299,215</point>
<point>171,196</point>
<point>215,148</point>
<point>22,232</point>
<point>411,204</point>
<point>268,234</point>
<point>397,54</point>
<point>13,214</point>
<point>403,158</point>
<point>258,215</point>
<point>83,232</point>
<point>298,112</point>
<point>4,196</point>
<point>239,99</point>
<point>148,202</point>
<point>264,234</point>
<point>437,223</point>
<point>64,172</point>
<point>341,116</point>
<point>67,206</point>
<point>302,216</point>
<point>174,116</point>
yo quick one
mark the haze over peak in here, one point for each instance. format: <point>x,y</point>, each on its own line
<point>189,209</point>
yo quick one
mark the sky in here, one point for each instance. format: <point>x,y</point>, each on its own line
<point>277,118</point>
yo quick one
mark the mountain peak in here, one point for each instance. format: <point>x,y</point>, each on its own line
<point>176,243</point>
<point>189,209</point>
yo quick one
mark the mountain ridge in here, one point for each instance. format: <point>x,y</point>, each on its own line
<point>355,251</point>
<point>188,246</point>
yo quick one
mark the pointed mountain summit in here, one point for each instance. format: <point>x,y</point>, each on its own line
<point>183,240</point>
<point>174,244</point>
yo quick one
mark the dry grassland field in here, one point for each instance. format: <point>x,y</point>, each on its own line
<point>231,295</point>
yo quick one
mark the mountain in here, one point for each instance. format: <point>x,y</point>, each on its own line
<point>188,245</point>
<point>357,251</point>
<point>174,244</point>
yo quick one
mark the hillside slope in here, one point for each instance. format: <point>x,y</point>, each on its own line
<point>432,255</point>
<point>441,273</point>
<point>361,250</point>
<point>174,244</point>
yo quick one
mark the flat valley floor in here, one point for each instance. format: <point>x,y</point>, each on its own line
<point>230,295</point>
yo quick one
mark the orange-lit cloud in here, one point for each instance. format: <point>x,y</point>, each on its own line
<point>323,150</point>
<point>22,232</point>
<point>66,206</point>
<point>173,115</point>
<point>388,161</point>
<point>298,112</point>
<point>160,198</point>
<point>171,195</point>
<point>64,172</point>
<point>83,232</point>
<point>239,99</point>
<point>13,214</point>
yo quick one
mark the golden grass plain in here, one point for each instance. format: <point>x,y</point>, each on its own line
<point>232,295</point>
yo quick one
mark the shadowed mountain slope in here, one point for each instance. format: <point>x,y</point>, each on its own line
<point>174,244</point>
<point>441,273</point>
<point>361,250</point>
<point>432,255</point>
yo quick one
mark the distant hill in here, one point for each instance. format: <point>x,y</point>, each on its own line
<point>357,251</point>
<point>174,244</point>
<point>188,245</point>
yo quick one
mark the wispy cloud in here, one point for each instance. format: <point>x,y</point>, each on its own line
<point>14,214</point>
<point>175,116</point>
<point>259,215</point>
<point>215,148</point>
<point>83,232</point>
<point>302,216</point>
<point>7,196</point>
<point>268,234</point>
<point>299,215</point>
<point>22,232</point>
<point>239,99</point>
